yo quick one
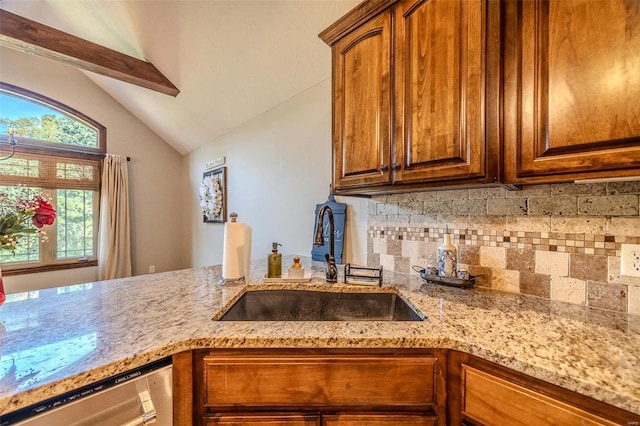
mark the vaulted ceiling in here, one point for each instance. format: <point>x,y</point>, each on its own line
<point>232,60</point>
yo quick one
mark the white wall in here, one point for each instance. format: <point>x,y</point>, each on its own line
<point>155,171</point>
<point>278,169</point>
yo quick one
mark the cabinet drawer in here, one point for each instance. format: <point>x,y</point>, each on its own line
<point>378,420</point>
<point>284,419</point>
<point>494,401</point>
<point>308,381</point>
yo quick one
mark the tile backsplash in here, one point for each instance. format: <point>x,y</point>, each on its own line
<point>560,242</point>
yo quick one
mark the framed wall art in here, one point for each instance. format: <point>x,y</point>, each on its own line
<point>213,195</point>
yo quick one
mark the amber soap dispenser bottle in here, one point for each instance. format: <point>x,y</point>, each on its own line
<point>274,262</point>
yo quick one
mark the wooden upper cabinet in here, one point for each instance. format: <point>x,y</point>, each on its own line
<point>440,68</point>
<point>571,90</point>
<point>415,107</point>
<point>362,104</point>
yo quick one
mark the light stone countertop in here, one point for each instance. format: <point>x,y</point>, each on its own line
<point>59,339</point>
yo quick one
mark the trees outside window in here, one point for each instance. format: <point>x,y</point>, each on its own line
<point>59,153</point>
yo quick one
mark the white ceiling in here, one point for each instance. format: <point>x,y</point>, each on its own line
<point>232,60</point>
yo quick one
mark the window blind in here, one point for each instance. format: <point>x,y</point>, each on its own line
<point>53,170</point>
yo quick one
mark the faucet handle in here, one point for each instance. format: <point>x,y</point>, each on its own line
<point>332,269</point>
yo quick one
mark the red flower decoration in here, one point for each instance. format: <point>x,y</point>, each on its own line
<point>45,213</point>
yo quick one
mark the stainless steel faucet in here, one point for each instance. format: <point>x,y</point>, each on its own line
<point>332,269</point>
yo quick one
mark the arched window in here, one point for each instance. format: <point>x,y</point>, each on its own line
<point>58,152</point>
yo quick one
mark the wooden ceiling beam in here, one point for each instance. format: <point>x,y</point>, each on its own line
<point>25,35</point>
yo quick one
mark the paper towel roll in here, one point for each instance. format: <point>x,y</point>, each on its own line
<point>236,253</point>
<point>247,252</point>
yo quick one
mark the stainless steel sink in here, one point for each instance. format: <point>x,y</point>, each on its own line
<point>309,305</point>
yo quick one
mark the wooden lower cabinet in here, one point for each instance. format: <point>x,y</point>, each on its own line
<point>264,419</point>
<point>416,387</point>
<point>393,419</point>
<point>333,388</point>
<point>309,419</point>
<point>483,393</point>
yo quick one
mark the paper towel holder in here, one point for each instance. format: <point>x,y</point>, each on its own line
<point>231,252</point>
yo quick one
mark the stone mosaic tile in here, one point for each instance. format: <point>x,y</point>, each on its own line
<point>507,207</point>
<point>614,276</point>
<point>402,264</point>
<point>412,248</point>
<point>398,219</point>
<point>387,209</point>
<point>387,261</point>
<point>472,207</point>
<point>569,290</point>
<point>380,245</point>
<point>535,284</point>
<point>373,260</point>
<point>608,205</point>
<point>630,187</point>
<point>547,238</point>
<point>505,280</point>
<point>453,194</point>
<point>588,267</point>
<point>551,263</point>
<point>469,255</point>
<point>628,226</point>
<point>607,296</point>
<point>438,207</point>
<point>454,221</point>
<point>372,209</point>
<point>582,225</point>
<point>520,260</point>
<point>493,257</point>
<point>525,223</point>
<point>421,196</point>
<point>488,223</point>
<point>425,220</point>
<point>573,189</point>
<point>486,193</point>
<point>484,274</point>
<point>411,208</point>
<point>561,206</point>
<point>397,198</point>
<point>530,191</point>
<point>634,300</point>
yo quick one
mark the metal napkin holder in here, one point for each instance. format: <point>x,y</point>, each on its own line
<point>363,274</point>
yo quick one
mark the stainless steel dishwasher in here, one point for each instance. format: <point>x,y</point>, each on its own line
<point>137,397</point>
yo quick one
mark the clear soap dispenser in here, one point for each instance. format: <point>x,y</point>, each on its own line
<point>296,270</point>
<point>274,262</point>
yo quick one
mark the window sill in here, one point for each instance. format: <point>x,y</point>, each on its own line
<point>48,268</point>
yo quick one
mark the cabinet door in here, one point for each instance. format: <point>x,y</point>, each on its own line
<point>515,405</point>
<point>571,90</point>
<point>391,419</point>
<point>440,71</point>
<point>320,381</point>
<point>362,105</point>
<point>259,419</point>
<point>480,392</point>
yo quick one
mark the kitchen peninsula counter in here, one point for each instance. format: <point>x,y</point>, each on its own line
<point>56,340</point>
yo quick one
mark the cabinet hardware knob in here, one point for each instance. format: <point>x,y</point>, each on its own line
<point>384,168</point>
<point>396,166</point>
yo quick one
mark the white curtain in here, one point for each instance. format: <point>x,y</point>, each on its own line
<point>114,252</point>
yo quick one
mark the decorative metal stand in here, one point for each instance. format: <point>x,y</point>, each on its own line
<point>362,275</point>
